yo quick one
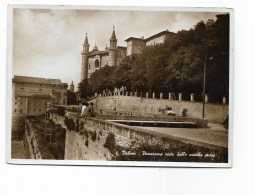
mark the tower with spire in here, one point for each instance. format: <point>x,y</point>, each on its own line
<point>113,49</point>
<point>96,59</point>
<point>85,59</point>
<point>72,87</point>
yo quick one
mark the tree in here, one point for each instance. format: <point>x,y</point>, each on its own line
<point>71,98</point>
<point>174,66</point>
<point>84,89</point>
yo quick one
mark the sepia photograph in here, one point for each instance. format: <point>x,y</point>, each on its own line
<point>121,86</point>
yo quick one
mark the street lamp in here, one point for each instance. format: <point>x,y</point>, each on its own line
<point>204,81</point>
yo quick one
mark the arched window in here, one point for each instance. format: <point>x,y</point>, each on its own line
<point>96,63</point>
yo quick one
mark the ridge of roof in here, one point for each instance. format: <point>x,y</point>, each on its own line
<point>27,79</point>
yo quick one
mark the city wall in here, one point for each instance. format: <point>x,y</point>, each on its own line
<point>86,139</point>
<point>30,143</point>
<point>137,105</point>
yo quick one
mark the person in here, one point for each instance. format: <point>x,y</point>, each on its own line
<point>170,111</point>
<point>89,110</point>
<point>184,112</point>
<point>79,107</point>
<point>84,105</point>
<point>92,113</point>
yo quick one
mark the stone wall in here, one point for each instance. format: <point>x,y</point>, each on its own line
<point>137,105</point>
<point>80,144</point>
<point>30,142</point>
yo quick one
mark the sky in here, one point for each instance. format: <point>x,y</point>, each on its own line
<point>48,42</point>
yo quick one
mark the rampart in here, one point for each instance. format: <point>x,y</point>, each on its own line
<point>130,105</point>
<point>86,138</point>
<point>30,142</point>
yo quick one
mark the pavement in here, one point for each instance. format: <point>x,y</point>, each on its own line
<point>214,134</point>
<point>18,150</point>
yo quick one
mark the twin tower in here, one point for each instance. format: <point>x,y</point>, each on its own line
<point>95,59</point>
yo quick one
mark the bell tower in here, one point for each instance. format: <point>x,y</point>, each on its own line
<point>113,49</point>
<point>72,87</point>
<point>85,59</point>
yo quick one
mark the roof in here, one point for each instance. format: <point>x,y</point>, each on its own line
<point>86,42</point>
<point>93,53</point>
<point>131,38</point>
<point>122,47</point>
<point>113,37</point>
<point>165,32</point>
<point>26,79</point>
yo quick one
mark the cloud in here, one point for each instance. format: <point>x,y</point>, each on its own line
<point>48,43</point>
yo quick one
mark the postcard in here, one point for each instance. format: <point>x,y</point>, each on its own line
<point>119,86</point>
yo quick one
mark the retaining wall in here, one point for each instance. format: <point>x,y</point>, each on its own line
<point>127,137</point>
<point>213,112</point>
<point>30,142</point>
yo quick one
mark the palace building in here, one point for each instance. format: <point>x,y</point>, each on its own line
<point>113,55</point>
<point>32,96</point>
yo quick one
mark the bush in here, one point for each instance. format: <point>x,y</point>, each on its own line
<point>101,132</point>
<point>70,124</point>
<point>61,110</point>
<point>110,141</point>
<point>87,142</point>
<point>77,125</point>
<point>81,125</point>
<point>94,136</point>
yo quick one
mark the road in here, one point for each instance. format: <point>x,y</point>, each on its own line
<point>215,134</point>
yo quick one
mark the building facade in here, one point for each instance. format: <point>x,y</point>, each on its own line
<point>112,56</point>
<point>32,96</point>
<point>136,45</point>
<point>95,59</point>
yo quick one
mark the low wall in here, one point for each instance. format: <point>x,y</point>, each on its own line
<point>30,142</point>
<point>119,116</point>
<point>213,112</point>
<point>81,145</point>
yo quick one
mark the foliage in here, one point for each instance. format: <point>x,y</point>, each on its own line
<point>84,89</point>
<point>174,66</point>
<point>60,110</point>
<point>94,136</point>
<point>70,124</point>
<point>71,98</point>
<point>110,141</point>
<point>87,142</point>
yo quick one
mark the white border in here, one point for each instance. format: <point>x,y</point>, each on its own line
<point>116,163</point>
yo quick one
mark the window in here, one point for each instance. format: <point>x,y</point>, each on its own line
<point>15,103</point>
<point>20,110</point>
<point>21,103</point>
<point>96,63</point>
<point>15,110</point>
